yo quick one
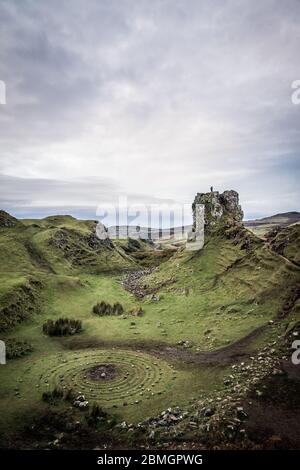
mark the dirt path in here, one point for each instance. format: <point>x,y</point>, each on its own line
<point>289,261</point>
<point>227,355</point>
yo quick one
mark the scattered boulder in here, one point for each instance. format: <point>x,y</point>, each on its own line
<point>155,298</point>
<point>80,402</point>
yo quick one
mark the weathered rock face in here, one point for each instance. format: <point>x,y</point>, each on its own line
<point>7,220</point>
<point>222,207</point>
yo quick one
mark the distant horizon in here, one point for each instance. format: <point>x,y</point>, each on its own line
<point>155,100</point>
<point>154,227</point>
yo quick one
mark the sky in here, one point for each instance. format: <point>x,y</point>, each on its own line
<point>154,100</point>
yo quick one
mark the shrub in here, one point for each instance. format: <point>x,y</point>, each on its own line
<point>117,309</point>
<point>53,396</point>
<point>69,395</point>
<point>62,327</point>
<point>57,394</point>
<point>96,415</point>
<point>103,308</point>
<point>16,348</point>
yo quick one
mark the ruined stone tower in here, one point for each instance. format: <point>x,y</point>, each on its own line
<point>222,207</point>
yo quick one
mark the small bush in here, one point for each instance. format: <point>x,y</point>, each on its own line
<point>57,394</point>
<point>16,348</point>
<point>96,415</point>
<point>62,327</point>
<point>118,309</point>
<point>69,395</point>
<point>53,396</point>
<point>103,308</point>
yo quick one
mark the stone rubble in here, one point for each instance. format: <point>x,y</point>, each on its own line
<point>81,402</point>
<point>222,411</point>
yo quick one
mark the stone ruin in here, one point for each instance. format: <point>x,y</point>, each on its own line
<point>219,207</point>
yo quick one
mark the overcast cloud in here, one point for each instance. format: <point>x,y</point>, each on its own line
<point>157,99</point>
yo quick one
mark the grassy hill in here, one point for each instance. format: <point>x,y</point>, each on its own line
<point>261,226</point>
<point>225,289</point>
<point>202,313</point>
<point>286,242</point>
<point>33,251</point>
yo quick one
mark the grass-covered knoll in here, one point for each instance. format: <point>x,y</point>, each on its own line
<point>286,242</point>
<point>7,220</point>
<point>19,299</point>
<point>58,244</point>
<point>31,251</point>
<point>221,292</point>
<point>69,249</point>
<point>64,221</point>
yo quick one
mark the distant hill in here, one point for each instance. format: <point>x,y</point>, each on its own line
<point>261,226</point>
<point>145,233</point>
<point>286,218</point>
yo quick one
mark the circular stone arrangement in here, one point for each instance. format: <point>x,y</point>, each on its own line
<point>102,372</point>
<point>109,377</point>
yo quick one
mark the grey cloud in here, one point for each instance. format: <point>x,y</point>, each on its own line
<point>85,197</point>
<point>166,97</point>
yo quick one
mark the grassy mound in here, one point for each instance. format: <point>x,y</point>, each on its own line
<point>232,286</point>
<point>21,300</point>
<point>7,220</point>
<point>286,242</point>
<point>58,244</point>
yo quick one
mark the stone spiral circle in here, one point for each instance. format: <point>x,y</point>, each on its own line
<point>137,376</point>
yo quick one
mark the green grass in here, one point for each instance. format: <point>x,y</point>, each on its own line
<point>25,379</point>
<point>260,230</point>
<point>287,243</point>
<point>210,298</point>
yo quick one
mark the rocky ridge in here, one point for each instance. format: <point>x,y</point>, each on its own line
<point>218,207</point>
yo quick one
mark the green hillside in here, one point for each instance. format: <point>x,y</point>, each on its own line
<point>286,242</point>
<point>186,320</point>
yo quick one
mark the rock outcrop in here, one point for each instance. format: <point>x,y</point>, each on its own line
<point>7,220</point>
<point>222,207</point>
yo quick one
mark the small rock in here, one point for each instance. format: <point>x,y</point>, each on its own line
<point>241,414</point>
<point>208,412</point>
